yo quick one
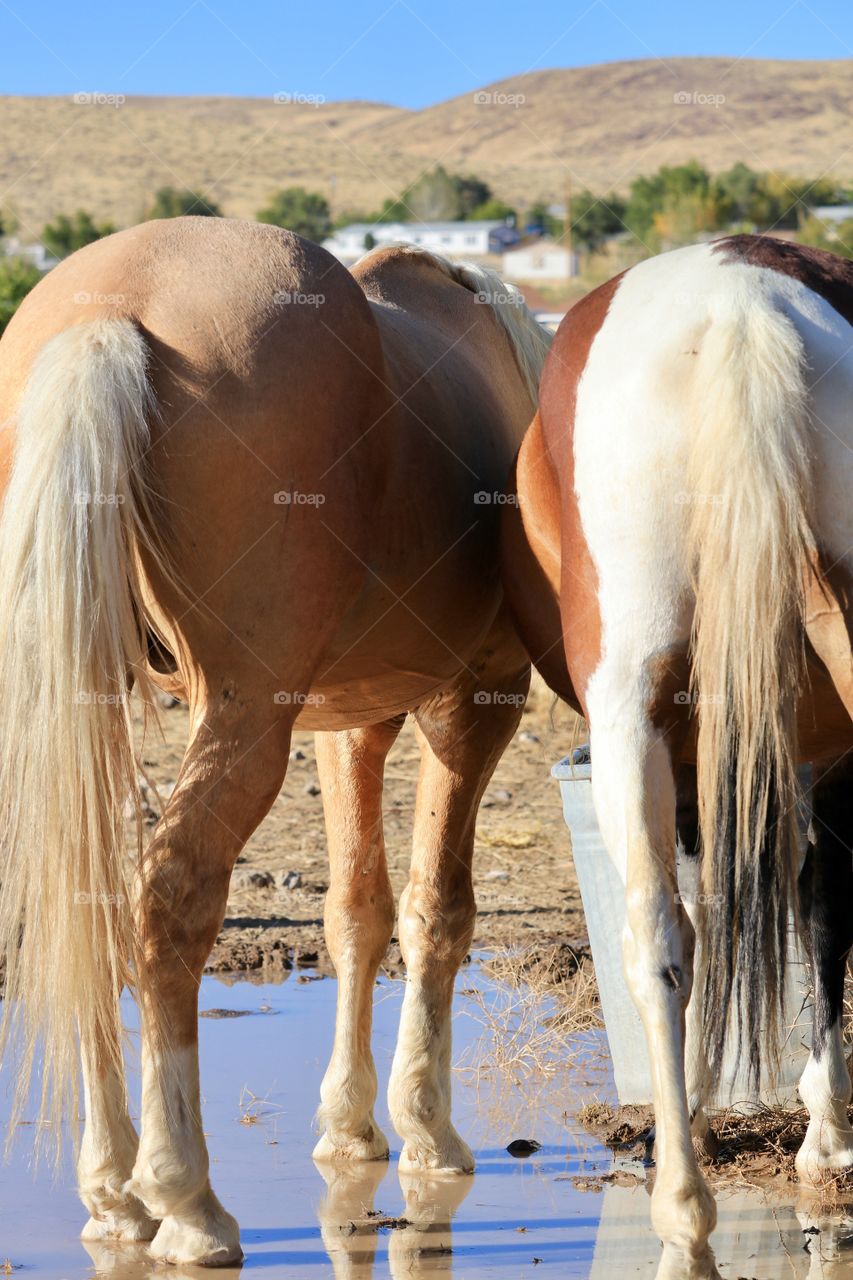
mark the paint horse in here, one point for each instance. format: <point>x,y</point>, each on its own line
<point>681,567</point>
<point>244,475</point>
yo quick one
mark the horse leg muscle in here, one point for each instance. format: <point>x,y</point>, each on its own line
<point>359,920</point>
<point>826,885</point>
<point>462,732</point>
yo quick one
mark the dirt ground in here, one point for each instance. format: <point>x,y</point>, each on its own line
<point>527,892</point>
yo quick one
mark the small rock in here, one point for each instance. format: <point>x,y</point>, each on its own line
<point>166,700</point>
<point>497,875</point>
<point>527,736</point>
<point>521,1148</point>
<point>312,789</point>
<point>224,1013</point>
<point>252,880</point>
<point>296,754</point>
<point>501,796</point>
<point>289,879</point>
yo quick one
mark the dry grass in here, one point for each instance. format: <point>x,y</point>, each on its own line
<point>535,1022</point>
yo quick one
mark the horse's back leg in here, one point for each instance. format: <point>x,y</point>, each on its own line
<point>634,701</point>
<point>826,898</point>
<point>462,733</point>
<point>107,1154</point>
<point>359,919</point>
<point>231,774</point>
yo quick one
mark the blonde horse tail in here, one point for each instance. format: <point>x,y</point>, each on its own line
<point>750,540</point>
<point>72,639</point>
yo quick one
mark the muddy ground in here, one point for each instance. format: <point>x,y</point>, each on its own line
<point>527,892</point>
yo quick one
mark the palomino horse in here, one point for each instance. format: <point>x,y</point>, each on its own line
<point>683,556</point>
<point>248,476</point>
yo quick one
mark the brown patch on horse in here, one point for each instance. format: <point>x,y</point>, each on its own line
<point>824,273</point>
<point>530,557</point>
<point>825,710</point>
<point>669,702</point>
<point>563,370</point>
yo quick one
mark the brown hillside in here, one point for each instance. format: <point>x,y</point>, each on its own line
<point>599,125</point>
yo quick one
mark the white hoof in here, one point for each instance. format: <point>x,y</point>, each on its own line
<point>825,1153</point>
<point>449,1156</point>
<point>373,1146</point>
<point>207,1236</point>
<point>675,1265</point>
<point>130,1223</point>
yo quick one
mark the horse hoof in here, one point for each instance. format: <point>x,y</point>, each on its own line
<point>354,1148</point>
<point>449,1158</point>
<point>206,1237</point>
<point>129,1224</point>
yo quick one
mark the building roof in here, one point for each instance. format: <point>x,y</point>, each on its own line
<point>363,228</point>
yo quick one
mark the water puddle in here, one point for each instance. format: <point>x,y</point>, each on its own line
<point>519,1218</point>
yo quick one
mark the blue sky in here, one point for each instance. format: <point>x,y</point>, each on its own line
<point>408,52</point>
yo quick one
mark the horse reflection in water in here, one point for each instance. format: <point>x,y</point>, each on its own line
<point>420,1239</point>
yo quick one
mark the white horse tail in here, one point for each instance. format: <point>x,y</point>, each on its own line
<point>72,636</point>
<point>750,539</point>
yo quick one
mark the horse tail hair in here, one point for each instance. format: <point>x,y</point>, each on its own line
<point>749,542</point>
<point>77,513</point>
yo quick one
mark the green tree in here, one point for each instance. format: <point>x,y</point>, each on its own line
<point>491,210</point>
<point>17,277</point>
<point>594,220</point>
<point>837,237</point>
<point>663,191</point>
<point>434,197</point>
<point>64,234</point>
<point>296,209</point>
<point>181,202</point>
<point>472,194</point>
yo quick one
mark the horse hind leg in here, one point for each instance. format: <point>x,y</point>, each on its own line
<point>107,1154</point>
<point>462,733</point>
<point>359,920</point>
<point>826,896</point>
<point>231,774</point>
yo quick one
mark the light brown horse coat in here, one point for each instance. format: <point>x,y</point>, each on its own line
<point>294,519</point>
